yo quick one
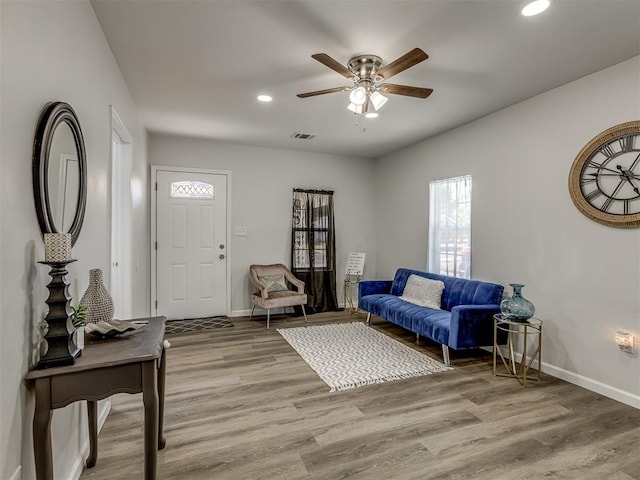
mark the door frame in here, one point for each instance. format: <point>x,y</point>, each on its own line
<point>123,170</point>
<point>154,232</point>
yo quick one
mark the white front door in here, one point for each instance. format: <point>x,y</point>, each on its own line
<point>191,250</point>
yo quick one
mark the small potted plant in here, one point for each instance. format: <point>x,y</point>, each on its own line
<point>79,320</point>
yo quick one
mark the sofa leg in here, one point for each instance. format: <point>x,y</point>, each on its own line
<point>268,314</point>
<point>251,315</point>
<point>368,320</point>
<point>445,354</point>
<point>417,339</point>
<point>304,313</point>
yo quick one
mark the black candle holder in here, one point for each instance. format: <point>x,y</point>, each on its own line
<point>61,348</point>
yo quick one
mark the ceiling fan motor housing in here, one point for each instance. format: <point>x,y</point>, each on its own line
<point>364,66</point>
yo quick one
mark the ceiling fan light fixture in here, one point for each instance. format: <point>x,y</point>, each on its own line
<point>378,100</point>
<point>357,109</point>
<point>358,96</point>
<point>536,7</point>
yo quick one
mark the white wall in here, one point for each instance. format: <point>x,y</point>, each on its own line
<point>262,180</point>
<point>584,278</point>
<point>54,51</point>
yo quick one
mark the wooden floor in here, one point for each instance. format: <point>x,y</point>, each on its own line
<point>242,405</point>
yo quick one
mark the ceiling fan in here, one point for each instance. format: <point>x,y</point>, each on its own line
<point>369,80</point>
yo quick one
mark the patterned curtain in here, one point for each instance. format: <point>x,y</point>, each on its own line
<point>313,247</point>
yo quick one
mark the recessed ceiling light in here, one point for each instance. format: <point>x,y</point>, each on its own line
<point>265,98</point>
<point>535,7</point>
<point>371,115</point>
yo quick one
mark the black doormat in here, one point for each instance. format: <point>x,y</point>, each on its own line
<point>174,327</point>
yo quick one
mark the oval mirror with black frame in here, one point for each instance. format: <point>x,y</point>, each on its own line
<point>59,171</point>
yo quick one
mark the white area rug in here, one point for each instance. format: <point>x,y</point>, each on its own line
<point>349,355</point>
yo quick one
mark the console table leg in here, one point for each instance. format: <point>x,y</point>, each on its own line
<point>161,383</point>
<point>42,430</point>
<point>92,414</point>
<point>150,400</point>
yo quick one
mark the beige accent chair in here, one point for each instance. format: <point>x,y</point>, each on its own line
<point>268,299</point>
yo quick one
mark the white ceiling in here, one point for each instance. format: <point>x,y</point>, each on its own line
<point>194,68</point>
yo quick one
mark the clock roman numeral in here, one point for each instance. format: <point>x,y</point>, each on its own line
<point>593,164</point>
<point>587,181</point>
<point>592,195</point>
<point>626,207</point>
<point>626,143</point>
<point>608,151</point>
<point>607,203</point>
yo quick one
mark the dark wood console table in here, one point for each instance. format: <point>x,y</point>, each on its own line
<point>132,363</point>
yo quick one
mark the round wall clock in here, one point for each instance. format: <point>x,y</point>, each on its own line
<point>604,181</point>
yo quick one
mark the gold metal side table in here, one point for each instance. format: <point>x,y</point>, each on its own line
<point>351,293</point>
<point>515,329</point>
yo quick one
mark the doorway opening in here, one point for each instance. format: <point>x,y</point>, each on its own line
<point>121,241</point>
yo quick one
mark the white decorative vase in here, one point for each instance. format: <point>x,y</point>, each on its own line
<point>97,299</point>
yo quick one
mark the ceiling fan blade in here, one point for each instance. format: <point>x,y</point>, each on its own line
<point>407,60</point>
<point>332,64</point>
<point>322,92</point>
<point>406,90</point>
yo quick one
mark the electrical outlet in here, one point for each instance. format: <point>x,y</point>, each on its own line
<point>240,231</point>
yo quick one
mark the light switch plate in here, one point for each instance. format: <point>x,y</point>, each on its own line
<point>240,231</point>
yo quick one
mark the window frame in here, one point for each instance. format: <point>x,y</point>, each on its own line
<point>450,201</point>
<point>311,233</point>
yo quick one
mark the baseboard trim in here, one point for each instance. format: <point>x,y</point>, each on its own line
<point>17,475</point>
<point>608,391</point>
<point>104,408</point>
<point>593,385</point>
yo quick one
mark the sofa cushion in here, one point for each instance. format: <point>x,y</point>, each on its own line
<point>433,324</point>
<point>428,322</point>
<point>423,291</point>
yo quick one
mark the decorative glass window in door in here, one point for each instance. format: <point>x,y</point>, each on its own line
<point>191,189</point>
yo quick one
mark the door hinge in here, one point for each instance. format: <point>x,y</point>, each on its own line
<point>156,186</point>
<point>156,304</point>
<point>156,245</point>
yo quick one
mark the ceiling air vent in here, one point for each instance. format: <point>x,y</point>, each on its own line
<point>303,136</point>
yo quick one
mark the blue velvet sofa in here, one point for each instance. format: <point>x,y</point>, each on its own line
<point>466,318</point>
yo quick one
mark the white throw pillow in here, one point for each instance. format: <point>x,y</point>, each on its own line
<point>423,291</point>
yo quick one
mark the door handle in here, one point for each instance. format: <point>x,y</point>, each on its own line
<point>222,256</point>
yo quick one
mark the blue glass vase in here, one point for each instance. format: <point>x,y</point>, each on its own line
<point>517,307</point>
